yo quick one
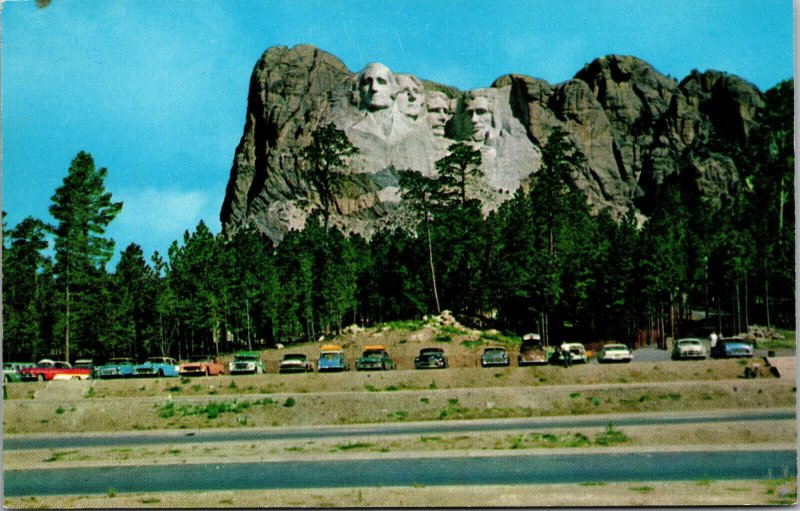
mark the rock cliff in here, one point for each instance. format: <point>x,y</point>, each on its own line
<point>635,127</point>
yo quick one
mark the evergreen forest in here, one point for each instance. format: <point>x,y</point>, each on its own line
<point>542,262</point>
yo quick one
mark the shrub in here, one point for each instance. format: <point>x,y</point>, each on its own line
<point>290,402</point>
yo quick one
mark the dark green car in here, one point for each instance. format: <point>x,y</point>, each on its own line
<point>374,357</point>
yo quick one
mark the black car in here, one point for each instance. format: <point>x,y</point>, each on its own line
<point>431,358</point>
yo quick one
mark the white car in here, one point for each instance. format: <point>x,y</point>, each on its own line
<point>689,348</point>
<point>615,353</point>
<point>577,353</point>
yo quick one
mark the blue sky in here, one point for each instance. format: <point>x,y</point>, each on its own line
<point>156,90</point>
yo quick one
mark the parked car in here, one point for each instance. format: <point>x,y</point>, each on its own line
<point>121,367</point>
<point>494,356</point>
<point>614,353</point>
<point>577,354</point>
<point>201,365</point>
<point>732,347</point>
<point>331,358</point>
<point>11,370</point>
<point>47,369</point>
<point>689,348</point>
<point>374,357</point>
<point>246,362</point>
<point>157,366</point>
<point>430,358</point>
<point>532,350</point>
<point>295,363</point>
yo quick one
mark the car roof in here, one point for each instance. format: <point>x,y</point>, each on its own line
<point>495,348</point>
<point>295,355</point>
<point>247,354</point>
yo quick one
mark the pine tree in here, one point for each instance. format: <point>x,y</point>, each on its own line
<point>326,157</point>
<point>24,284</point>
<point>83,209</point>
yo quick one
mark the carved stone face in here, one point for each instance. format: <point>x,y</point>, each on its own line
<point>411,97</point>
<point>438,112</point>
<point>479,110</point>
<point>377,87</point>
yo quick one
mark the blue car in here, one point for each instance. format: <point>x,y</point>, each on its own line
<point>116,368</point>
<point>732,347</point>
<point>331,358</point>
<point>157,366</point>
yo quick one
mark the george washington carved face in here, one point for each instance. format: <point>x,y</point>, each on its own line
<point>377,87</point>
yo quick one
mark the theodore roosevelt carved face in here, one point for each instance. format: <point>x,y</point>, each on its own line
<point>439,111</point>
<point>377,87</point>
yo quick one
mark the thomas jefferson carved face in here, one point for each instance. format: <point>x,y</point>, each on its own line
<point>438,111</point>
<point>377,87</point>
<point>411,96</point>
<point>480,112</point>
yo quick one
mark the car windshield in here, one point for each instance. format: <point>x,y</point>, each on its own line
<point>294,357</point>
<point>689,343</point>
<point>616,347</point>
<point>431,352</point>
<point>372,353</point>
<point>329,356</point>
<point>245,358</point>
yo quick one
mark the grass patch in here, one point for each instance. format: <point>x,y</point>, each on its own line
<point>412,324</point>
<point>400,414</point>
<point>58,456</point>
<point>591,483</point>
<point>430,439</point>
<point>501,338</point>
<point>90,392</point>
<point>210,410</point>
<point>447,329</point>
<point>371,388</point>
<point>471,344</point>
<point>174,388</point>
<point>111,492</point>
<point>611,436</point>
<point>669,397</point>
<point>443,338</point>
<point>150,501</point>
<point>354,445</point>
<point>642,489</point>
<point>575,394</point>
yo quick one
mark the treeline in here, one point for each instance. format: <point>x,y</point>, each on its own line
<point>541,262</point>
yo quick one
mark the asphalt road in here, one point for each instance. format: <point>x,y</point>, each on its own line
<point>523,469</point>
<point>65,441</point>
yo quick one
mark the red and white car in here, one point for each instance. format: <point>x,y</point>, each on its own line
<point>46,370</point>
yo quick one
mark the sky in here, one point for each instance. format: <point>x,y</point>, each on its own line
<point>156,90</point>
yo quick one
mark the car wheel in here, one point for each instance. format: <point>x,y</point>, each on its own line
<point>160,373</point>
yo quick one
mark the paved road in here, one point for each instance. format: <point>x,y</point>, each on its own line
<point>521,469</point>
<point>65,441</point>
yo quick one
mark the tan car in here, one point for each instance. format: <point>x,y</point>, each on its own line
<point>532,350</point>
<point>202,365</point>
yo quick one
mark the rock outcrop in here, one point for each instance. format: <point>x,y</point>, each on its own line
<point>635,127</point>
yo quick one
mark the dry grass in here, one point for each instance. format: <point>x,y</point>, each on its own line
<point>714,493</point>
